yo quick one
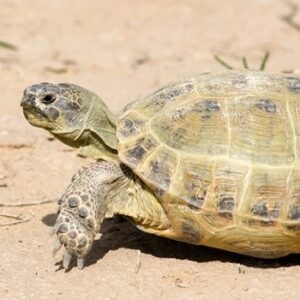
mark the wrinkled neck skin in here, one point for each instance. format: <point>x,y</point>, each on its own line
<point>127,195</point>
<point>95,133</point>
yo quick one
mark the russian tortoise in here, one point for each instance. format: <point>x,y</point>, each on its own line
<point>212,160</point>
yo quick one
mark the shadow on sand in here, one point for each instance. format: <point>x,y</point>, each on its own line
<point>119,233</point>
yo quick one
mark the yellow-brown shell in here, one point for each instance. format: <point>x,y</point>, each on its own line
<point>223,146</point>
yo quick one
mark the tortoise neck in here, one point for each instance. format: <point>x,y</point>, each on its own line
<point>96,136</point>
<point>102,122</point>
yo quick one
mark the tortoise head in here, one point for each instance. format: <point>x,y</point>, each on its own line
<point>56,107</point>
<point>74,115</point>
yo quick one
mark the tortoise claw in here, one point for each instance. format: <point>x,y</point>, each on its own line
<point>80,263</point>
<point>66,260</point>
<point>67,256</point>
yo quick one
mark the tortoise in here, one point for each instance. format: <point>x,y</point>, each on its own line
<point>212,160</point>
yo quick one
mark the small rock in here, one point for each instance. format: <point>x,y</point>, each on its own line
<point>140,60</point>
<point>180,283</point>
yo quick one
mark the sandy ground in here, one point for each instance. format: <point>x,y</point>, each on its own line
<point>122,50</point>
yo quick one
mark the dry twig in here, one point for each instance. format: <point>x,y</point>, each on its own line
<point>20,219</point>
<point>28,203</point>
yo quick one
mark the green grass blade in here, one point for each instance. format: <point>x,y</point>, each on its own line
<point>245,63</point>
<point>223,63</point>
<point>8,45</point>
<point>264,61</point>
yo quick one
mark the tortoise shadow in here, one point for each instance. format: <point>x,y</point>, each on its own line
<point>120,233</point>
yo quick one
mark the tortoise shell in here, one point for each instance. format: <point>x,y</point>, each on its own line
<point>222,151</point>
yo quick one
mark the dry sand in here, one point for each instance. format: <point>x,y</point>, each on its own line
<point>122,50</point>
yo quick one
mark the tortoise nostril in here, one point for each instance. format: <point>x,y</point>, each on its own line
<point>47,99</point>
<point>28,99</point>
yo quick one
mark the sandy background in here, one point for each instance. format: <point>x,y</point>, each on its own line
<point>122,50</point>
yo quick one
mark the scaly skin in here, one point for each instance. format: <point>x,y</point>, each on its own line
<point>82,209</point>
<point>100,191</point>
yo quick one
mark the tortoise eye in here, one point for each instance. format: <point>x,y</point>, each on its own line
<point>47,99</point>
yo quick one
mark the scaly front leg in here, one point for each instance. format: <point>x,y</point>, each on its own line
<point>83,207</point>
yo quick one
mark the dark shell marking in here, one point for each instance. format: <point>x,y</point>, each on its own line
<point>293,84</point>
<point>170,93</point>
<point>160,174</point>
<point>210,105</point>
<point>205,105</point>
<point>130,126</point>
<point>137,153</point>
<point>142,147</point>
<point>226,206</point>
<point>191,234</point>
<point>266,105</point>
<point>294,213</point>
<point>262,210</point>
<point>196,202</point>
<point>175,90</point>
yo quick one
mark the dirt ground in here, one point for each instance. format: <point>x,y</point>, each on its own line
<point>122,50</point>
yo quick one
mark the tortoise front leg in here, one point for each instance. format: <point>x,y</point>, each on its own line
<point>82,209</point>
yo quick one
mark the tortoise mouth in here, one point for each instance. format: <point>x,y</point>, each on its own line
<point>36,117</point>
<point>33,113</point>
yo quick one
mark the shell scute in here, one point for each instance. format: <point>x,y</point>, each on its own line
<point>192,181</point>
<point>265,196</point>
<point>159,168</point>
<point>225,192</point>
<point>131,125</point>
<point>135,152</point>
<point>261,130</point>
<point>185,126</point>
